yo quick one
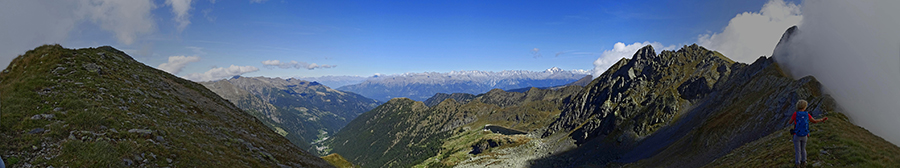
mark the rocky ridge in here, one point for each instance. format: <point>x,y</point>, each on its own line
<point>641,94</point>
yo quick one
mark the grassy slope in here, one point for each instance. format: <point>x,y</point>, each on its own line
<point>177,122</point>
<point>398,133</point>
<point>443,135</point>
<point>833,143</point>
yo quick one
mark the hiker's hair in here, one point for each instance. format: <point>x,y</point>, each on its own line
<point>801,104</point>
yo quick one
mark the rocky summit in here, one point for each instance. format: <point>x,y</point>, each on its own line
<point>691,107</point>
<point>304,112</point>
<point>98,107</point>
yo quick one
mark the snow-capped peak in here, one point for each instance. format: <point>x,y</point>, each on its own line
<point>554,70</point>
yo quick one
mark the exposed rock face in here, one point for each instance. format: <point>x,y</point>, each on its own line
<point>300,110</point>
<point>637,96</point>
<point>98,107</point>
<point>583,81</point>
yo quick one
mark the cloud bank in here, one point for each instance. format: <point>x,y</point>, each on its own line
<point>294,64</point>
<point>753,34</point>
<point>221,72</point>
<point>853,49</point>
<point>621,50</point>
<point>176,63</point>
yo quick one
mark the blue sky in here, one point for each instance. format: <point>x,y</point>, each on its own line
<point>221,38</point>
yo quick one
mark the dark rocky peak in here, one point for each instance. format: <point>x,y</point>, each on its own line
<point>645,53</point>
<point>784,51</point>
<point>787,35</point>
<point>744,73</point>
<point>640,95</point>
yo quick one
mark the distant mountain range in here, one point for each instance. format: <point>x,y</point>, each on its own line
<point>335,81</point>
<point>98,107</point>
<point>421,86</point>
<point>302,111</point>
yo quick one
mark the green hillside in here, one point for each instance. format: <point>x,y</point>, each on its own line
<point>98,107</point>
<point>304,112</point>
<point>834,143</point>
<point>405,133</point>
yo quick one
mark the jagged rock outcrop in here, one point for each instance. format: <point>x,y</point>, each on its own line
<point>98,107</point>
<point>583,81</point>
<point>637,96</point>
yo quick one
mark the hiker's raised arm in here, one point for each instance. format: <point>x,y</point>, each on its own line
<point>818,120</point>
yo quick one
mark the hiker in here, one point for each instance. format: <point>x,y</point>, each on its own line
<point>801,120</point>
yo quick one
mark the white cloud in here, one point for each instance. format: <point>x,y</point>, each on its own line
<point>294,64</point>
<point>619,51</point>
<point>221,72</point>
<point>126,19</point>
<point>750,35</point>
<point>181,9</point>
<point>176,63</point>
<point>28,24</point>
<point>257,1</point>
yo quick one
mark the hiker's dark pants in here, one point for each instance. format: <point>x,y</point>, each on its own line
<point>800,148</point>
